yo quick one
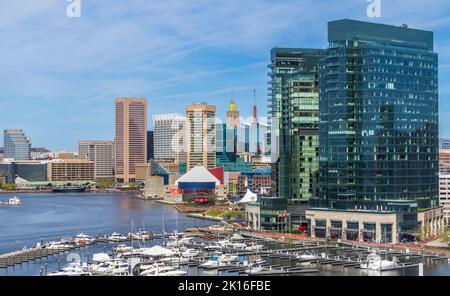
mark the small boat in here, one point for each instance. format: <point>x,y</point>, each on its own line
<point>15,201</point>
<point>117,237</point>
<point>213,247</point>
<point>213,263</point>
<point>190,253</point>
<point>100,257</point>
<point>74,269</point>
<point>227,258</point>
<point>306,256</point>
<point>58,245</point>
<point>374,262</point>
<point>140,235</point>
<point>158,270</point>
<point>84,239</point>
<point>237,246</point>
<point>122,248</point>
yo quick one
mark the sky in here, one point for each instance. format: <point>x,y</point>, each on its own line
<point>59,75</point>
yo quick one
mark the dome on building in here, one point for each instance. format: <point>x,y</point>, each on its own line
<point>232,107</point>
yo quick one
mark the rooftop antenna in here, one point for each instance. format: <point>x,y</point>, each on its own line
<point>255,120</point>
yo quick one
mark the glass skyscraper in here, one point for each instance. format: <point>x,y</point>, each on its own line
<point>294,106</point>
<point>379,120</point>
<point>17,145</point>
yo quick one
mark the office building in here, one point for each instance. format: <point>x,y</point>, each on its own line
<point>294,106</point>
<point>169,131</point>
<point>150,146</point>
<point>25,170</point>
<point>444,195</point>
<point>444,161</point>
<point>101,153</point>
<point>378,135</point>
<point>201,136</point>
<point>70,170</point>
<point>444,143</point>
<point>17,145</point>
<point>131,137</point>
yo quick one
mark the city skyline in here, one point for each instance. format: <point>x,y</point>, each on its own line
<point>86,69</point>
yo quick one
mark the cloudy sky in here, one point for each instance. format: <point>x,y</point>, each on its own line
<point>59,75</point>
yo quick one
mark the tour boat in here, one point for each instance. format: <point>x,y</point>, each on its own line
<point>84,239</point>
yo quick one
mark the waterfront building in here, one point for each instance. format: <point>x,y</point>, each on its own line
<point>444,161</point>
<point>253,215</point>
<point>40,153</point>
<point>150,146</point>
<point>444,195</point>
<point>294,109</point>
<point>197,185</point>
<point>17,145</point>
<point>28,170</point>
<point>70,170</point>
<point>258,181</point>
<point>444,143</point>
<point>201,131</point>
<point>131,137</point>
<point>152,168</point>
<point>378,135</point>
<point>169,132</point>
<point>273,213</point>
<point>101,153</point>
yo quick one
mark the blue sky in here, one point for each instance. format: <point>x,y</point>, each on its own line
<point>59,75</point>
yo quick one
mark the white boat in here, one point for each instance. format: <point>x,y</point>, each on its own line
<point>374,262</point>
<point>306,256</point>
<point>213,247</point>
<point>58,245</point>
<point>254,247</point>
<point>115,267</point>
<point>158,270</point>
<point>84,239</point>
<point>122,248</point>
<point>174,260</point>
<point>255,269</point>
<point>227,258</point>
<point>100,257</point>
<point>213,263</point>
<point>15,201</point>
<point>74,269</point>
<point>190,253</point>
<point>237,246</point>
<point>140,235</point>
<point>117,237</point>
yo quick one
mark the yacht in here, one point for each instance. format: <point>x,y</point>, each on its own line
<point>237,246</point>
<point>213,247</point>
<point>140,235</point>
<point>190,253</point>
<point>100,257</point>
<point>74,269</point>
<point>14,201</point>
<point>174,260</point>
<point>117,237</point>
<point>58,245</point>
<point>122,248</point>
<point>254,247</point>
<point>227,258</point>
<point>158,270</point>
<point>84,239</point>
<point>307,256</point>
<point>214,262</point>
<point>374,262</point>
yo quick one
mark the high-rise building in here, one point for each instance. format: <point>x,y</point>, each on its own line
<point>294,102</point>
<point>169,137</point>
<point>378,135</point>
<point>70,170</point>
<point>444,195</point>
<point>17,145</point>
<point>444,143</point>
<point>232,119</point>
<point>131,137</point>
<point>444,161</point>
<point>150,146</point>
<point>101,153</point>
<point>201,135</point>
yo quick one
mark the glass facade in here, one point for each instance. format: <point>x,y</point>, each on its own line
<point>273,213</point>
<point>294,105</point>
<point>17,145</point>
<point>378,119</point>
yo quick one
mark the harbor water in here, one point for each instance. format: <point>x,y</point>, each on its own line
<point>46,217</point>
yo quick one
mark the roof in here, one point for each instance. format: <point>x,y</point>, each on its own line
<point>157,251</point>
<point>249,197</point>
<point>198,174</point>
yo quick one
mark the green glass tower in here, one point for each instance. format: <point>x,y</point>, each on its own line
<point>294,106</point>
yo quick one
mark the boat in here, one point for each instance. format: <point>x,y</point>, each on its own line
<point>306,256</point>
<point>190,253</point>
<point>117,237</point>
<point>213,247</point>
<point>100,257</point>
<point>15,201</point>
<point>214,262</point>
<point>140,235</point>
<point>227,258</point>
<point>83,239</point>
<point>374,262</point>
<point>159,270</point>
<point>58,245</point>
<point>174,261</point>
<point>68,189</point>
<point>237,246</point>
<point>74,269</point>
<point>122,248</point>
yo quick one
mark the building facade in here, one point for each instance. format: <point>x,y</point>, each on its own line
<point>378,125</point>
<point>17,145</point>
<point>169,137</point>
<point>131,137</point>
<point>444,161</point>
<point>444,195</point>
<point>150,146</point>
<point>444,143</point>
<point>201,135</point>
<point>294,104</point>
<point>71,170</point>
<point>101,153</point>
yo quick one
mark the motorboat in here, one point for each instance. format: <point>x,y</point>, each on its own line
<point>15,201</point>
<point>74,269</point>
<point>58,245</point>
<point>237,246</point>
<point>174,260</point>
<point>213,247</point>
<point>254,247</point>
<point>83,239</point>
<point>122,248</point>
<point>214,262</point>
<point>190,253</point>
<point>100,257</point>
<point>176,242</point>
<point>306,256</point>
<point>115,267</point>
<point>158,270</point>
<point>375,262</point>
<point>117,237</point>
<point>140,235</point>
<point>255,269</point>
<point>227,258</point>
